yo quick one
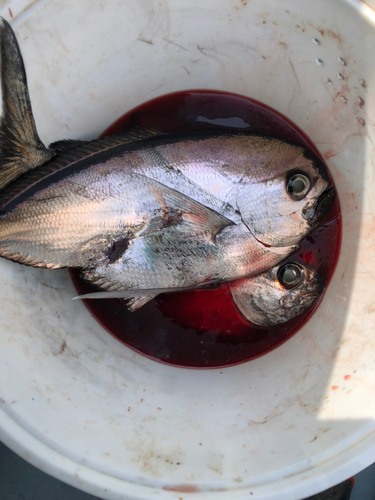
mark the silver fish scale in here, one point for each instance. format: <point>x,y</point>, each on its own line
<point>172,259</point>
<point>190,178</point>
<point>210,170</point>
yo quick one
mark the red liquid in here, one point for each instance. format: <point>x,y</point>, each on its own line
<point>203,328</point>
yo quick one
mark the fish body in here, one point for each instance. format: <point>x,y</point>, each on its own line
<point>101,214</point>
<point>270,298</point>
<point>144,210</point>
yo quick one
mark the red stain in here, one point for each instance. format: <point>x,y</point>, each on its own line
<point>351,479</point>
<point>334,35</point>
<point>297,26</point>
<point>308,257</point>
<point>264,22</point>
<point>334,387</point>
<point>352,195</point>
<point>321,32</point>
<point>10,13</point>
<point>159,409</point>
<point>347,377</point>
<point>315,438</point>
<point>328,155</point>
<point>182,488</point>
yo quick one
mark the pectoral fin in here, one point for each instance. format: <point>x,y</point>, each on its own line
<point>196,217</point>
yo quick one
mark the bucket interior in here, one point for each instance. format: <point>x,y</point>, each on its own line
<point>94,413</point>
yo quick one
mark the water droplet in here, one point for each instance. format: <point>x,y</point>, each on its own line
<point>340,76</point>
<point>361,121</point>
<point>342,60</point>
<point>344,99</point>
<point>329,81</point>
<point>319,62</point>
<point>362,82</point>
<point>316,41</point>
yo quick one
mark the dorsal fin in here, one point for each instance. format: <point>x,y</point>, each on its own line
<point>66,145</point>
<point>132,134</point>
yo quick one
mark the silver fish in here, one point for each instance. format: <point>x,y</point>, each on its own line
<point>143,210</point>
<point>277,295</point>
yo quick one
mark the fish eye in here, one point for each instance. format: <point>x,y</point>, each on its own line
<point>290,275</point>
<point>298,186</point>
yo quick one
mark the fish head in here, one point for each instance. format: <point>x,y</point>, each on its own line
<point>278,295</point>
<point>288,200</point>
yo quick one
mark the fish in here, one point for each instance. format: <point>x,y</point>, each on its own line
<point>267,299</point>
<point>277,295</point>
<point>145,210</point>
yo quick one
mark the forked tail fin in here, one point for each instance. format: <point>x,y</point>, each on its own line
<point>20,147</point>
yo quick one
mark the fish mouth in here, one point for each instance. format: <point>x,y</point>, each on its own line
<point>321,206</point>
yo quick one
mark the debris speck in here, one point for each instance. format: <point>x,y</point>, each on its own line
<point>342,61</point>
<point>362,82</point>
<point>340,76</point>
<point>344,99</point>
<point>361,121</point>
<point>319,62</point>
<point>361,102</point>
<point>328,81</point>
<point>316,41</point>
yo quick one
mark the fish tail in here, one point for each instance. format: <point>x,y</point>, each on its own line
<point>20,147</point>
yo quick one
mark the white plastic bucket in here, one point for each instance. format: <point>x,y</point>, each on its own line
<point>88,410</point>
